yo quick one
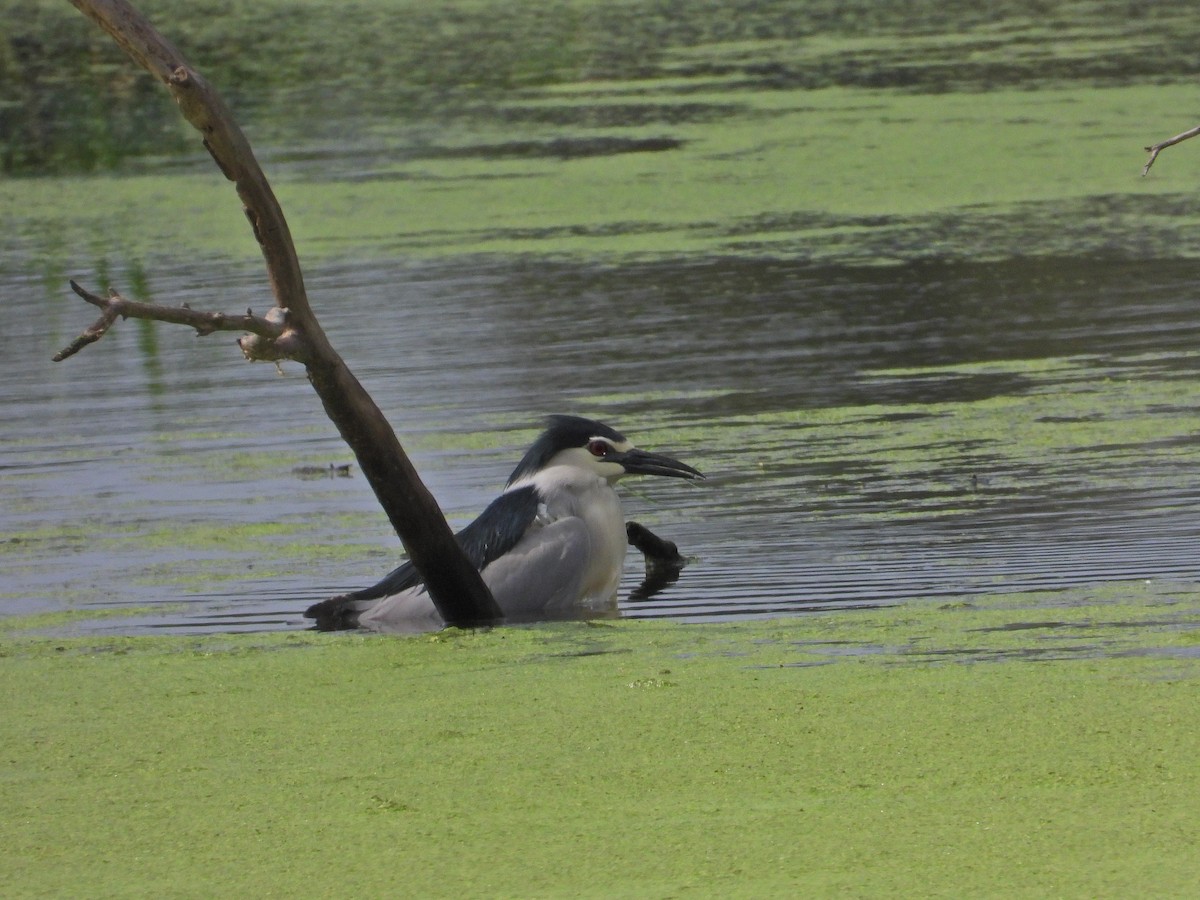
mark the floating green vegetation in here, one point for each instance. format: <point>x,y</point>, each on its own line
<point>904,132</point>
<point>1015,182</point>
<point>1022,429</point>
<point>1009,747</point>
<point>66,620</point>
<point>56,538</point>
<point>304,70</point>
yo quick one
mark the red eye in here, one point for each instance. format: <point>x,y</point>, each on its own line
<point>599,448</point>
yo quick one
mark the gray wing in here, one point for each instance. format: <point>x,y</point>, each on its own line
<point>494,533</point>
<point>497,530</point>
<point>539,578</point>
<point>543,573</point>
<point>408,612</point>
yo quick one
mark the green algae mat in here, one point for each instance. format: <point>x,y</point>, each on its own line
<point>1019,746</point>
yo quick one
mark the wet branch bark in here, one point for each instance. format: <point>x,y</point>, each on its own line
<point>290,330</point>
<point>1155,149</point>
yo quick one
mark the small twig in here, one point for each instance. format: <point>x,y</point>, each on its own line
<point>272,340</point>
<point>90,335</point>
<point>1155,149</point>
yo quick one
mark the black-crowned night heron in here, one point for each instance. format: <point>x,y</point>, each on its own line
<point>551,546</point>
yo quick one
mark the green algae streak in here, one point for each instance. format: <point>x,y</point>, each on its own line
<point>900,752</point>
<point>854,133</point>
<point>1012,174</point>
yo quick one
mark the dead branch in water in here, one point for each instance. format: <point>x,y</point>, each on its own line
<point>290,330</point>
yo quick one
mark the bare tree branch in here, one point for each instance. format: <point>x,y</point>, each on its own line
<point>90,335</point>
<point>455,587</point>
<point>275,343</point>
<point>1156,149</point>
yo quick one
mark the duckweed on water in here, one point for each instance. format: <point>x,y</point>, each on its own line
<point>1055,416</point>
<point>864,137</point>
<point>623,759</point>
<point>1004,185</point>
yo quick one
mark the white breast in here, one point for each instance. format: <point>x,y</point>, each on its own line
<point>568,491</point>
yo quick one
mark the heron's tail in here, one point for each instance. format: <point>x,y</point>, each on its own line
<point>338,613</point>
<point>341,612</point>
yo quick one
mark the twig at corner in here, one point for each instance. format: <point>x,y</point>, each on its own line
<point>1155,149</point>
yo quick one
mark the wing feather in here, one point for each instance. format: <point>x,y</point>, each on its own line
<point>498,529</point>
<point>543,573</point>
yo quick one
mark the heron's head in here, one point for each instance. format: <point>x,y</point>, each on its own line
<point>597,448</point>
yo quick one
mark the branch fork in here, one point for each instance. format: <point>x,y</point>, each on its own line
<point>270,338</point>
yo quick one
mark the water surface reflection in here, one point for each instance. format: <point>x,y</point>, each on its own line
<point>871,435</point>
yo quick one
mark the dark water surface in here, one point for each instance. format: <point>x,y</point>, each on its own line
<point>885,272</point>
<point>833,409</point>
